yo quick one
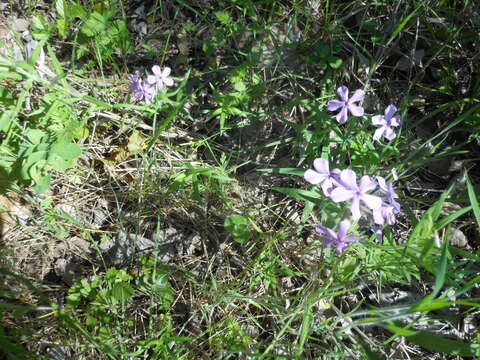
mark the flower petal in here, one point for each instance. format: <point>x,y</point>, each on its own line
<point>395,121</point>
<point>343,229</point>
<point>321,165</point>
<point>390,111</point>
<point>351,238</point>
<point>355,209</point>
<point>378,133</point>
<point>367,184</point>
<point>372,201</point>
<point>166,71</point>
<point>168,81</point>
<point>355,110</point>
<point>378,216</point>
<point>342,116</point>
<point>348,178</point>
<point>358,95</point>
<point>327,241</point>
<point>327,187</point>
<point>156,70</point>
<point>313,177</point>
<point>341,246</point>
<point>340,194</point>
<point>326,231</point>
<point>151,79</point>
<point>333,105</point>
<point>342,91</point>
<point>378,232</point>
<point>389,133</point>
<point>378,120</point>
<point>382,184</point>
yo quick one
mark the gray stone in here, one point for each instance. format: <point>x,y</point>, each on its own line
<point>457,238</point>
<point>59,352</point>
<point>68,270</point>
<point>20,25</point>
<point>167,244</point>
<point>122,248</point>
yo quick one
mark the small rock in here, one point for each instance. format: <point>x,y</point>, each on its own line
<point>20,25</point>
<point>123,247</point>
<point>67,209</point>
<point>68,270</point>
<point>449,208</point>
<point>59,353</point>
<point>457,238</point>
<point>79,245</point>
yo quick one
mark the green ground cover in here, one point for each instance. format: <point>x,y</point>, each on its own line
<point>239,179</point>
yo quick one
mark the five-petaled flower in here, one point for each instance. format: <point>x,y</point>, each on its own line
<point>346,104</point>
<point>349,190</point>
<point>322,175</point>
<point>160,77</point>
<point>386,213</point>
<point>388,192</point>
<point>385,123</point>
<point>141,89</point>
<point>340,239</point>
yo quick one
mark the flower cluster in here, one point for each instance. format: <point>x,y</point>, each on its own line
<point>145,89</point>
<point>341,185</point>
<point>346,104</point>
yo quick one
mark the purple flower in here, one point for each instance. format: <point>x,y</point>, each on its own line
<point>349,190</point>
<point>322,175</point>
<point>141,89</point>
<point>385,123</point>
<point>340,239</point>
<point>389,193</point>
<point>160,77</point>
<point>384,214</point>
<point>346,104</point>
<point>377,230</point>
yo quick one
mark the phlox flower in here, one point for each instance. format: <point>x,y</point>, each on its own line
<point>322,175</point>
<point>377,230</point>
<point>346,104</point>
<point>160,77</point>
<point>349,190</point>
<point>340,239</point>
<point>386,213</point>
<point>388,192</point>
<point>385,123</point>
<point>141,89</point>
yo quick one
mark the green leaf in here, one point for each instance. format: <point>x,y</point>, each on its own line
<point>94,25</point>
<point>10,75</point>
<point>400,26</point>
<point>289,171</point>
<point>223,17</point>
<point>62,27</point>
<point>334,62</point>
<point>450,218</point>
<point>473,200</point>
<point>237,225</point>
<point>68,151</point>
<point>122,291</point>
<point>442,344</point>
<point>402,331</point>
<point>427,304</point>
<point>60,6</point>
<point>305,195</point>
<point>6,119</point>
